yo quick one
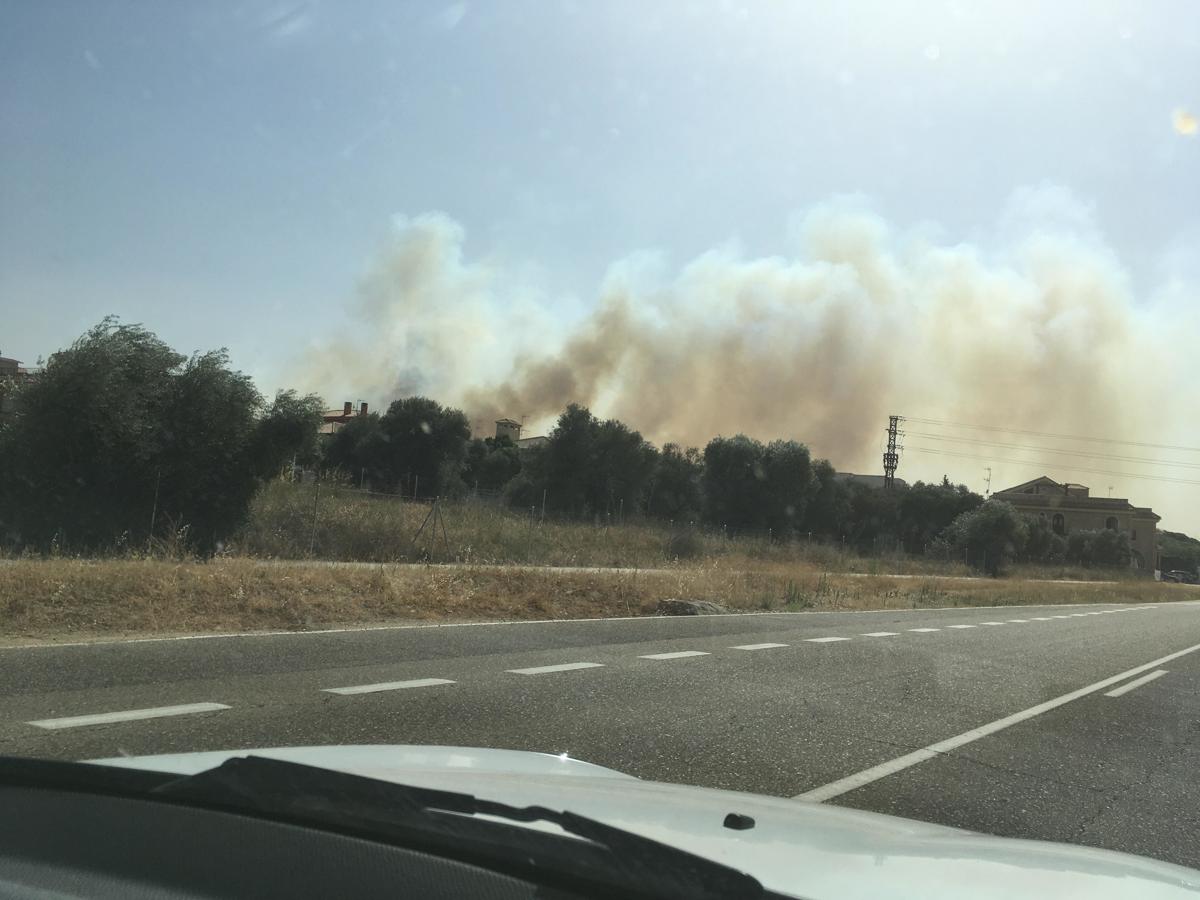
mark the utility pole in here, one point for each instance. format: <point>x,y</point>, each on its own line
<point>988,491</point>
<point>891,458</point>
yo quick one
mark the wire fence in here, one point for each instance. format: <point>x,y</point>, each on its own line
<point>344,522</point>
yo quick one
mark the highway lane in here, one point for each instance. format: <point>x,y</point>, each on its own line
<point>776,703</point>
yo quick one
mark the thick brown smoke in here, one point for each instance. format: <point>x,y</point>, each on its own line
<point>1042,332</point>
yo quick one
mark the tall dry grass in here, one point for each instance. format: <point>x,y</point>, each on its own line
<point>57,599</point>
<point>289,521</point>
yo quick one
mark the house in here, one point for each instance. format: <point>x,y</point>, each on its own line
<point>11,372</point>
<point>510,429</point>
<point>334,419</point>
<point>1070,507</point>
<point>530,443</point>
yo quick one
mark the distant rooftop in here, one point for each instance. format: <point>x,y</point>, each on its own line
<point>868,480</point>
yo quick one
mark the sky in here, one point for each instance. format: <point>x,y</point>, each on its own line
<point>788,219</point>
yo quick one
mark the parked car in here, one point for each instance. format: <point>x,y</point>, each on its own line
<point>1181,576</point>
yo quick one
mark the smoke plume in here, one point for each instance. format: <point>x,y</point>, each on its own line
<point>1036,326</point>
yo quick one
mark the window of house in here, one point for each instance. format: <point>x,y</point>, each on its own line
<point>1111,523</point>
<point>1059,524</point>
<point>1133,535</point>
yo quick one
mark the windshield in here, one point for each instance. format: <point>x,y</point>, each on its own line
<point>792,399</point>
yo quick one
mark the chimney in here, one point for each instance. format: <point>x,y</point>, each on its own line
<point>362,409</point>
<point>347,408</point>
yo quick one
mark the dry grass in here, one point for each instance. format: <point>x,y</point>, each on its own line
<point>289,521</point>
<point>76,599</point>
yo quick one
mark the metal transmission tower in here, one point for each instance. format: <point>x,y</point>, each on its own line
<point>891,458</point>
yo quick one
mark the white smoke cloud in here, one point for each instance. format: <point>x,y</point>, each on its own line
<point>1039,329</point>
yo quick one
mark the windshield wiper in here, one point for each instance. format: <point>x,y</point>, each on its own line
<point>595,858</point>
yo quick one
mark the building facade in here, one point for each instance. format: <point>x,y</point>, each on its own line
<point>1069,507</point>
<point>334,419</point>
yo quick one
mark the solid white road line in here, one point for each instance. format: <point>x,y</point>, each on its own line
<point>388,686</point>
<point>960,626</point>
<point>826,640</point>
<point>900,763</point>
<point>881,634</point>
<point>677,655</point>
<point>924,630</point>
<point>1136,683</point>
<point>757,646</point>
<point>561,667</point>
<point>129,715</point>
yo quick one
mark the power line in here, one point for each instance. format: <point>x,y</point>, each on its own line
<point>1030,463</point>
<point>1066,437</point>
<point>1134,459</point>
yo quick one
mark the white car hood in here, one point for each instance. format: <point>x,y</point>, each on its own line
<point>797,848</point>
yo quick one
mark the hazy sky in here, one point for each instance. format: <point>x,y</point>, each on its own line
<point>227,173</point>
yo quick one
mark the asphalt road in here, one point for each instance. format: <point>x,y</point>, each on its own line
<point>998,720</point>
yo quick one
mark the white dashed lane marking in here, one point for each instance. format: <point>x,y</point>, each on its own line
<point>924,630</point>
<point>757,646</point>
<point>881,634</point>
<point>1136,683</point>
<point>388,686</point>
<point>991,623</point>
<point>1022,621</point>
<point>1040,619</point>
<point>680,654</point>
<point>960,626</point>
<point>561,667</point>
<point>826,640</point>
<point>128,715</point>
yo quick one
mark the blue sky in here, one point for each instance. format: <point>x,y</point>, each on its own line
<point>226,173</point>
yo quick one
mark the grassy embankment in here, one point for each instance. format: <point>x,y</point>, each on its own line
<point>79,598</point>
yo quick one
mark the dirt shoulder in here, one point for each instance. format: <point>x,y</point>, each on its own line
<point>71,600</point>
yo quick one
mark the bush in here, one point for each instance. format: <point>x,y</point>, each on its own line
<point>1099,548</point>
<point>988,536</point>
<point>684,543</point>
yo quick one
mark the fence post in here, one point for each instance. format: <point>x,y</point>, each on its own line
<point>154,509</point>
<point>544,504</point>
<point>312,541</point>
<point>416,484</point>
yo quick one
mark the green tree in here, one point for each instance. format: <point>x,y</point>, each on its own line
<point>621,466</point>
<point>288,430</point>
<point>121,437</point>
<point>736,494</point>
<point>426,446</point>
<point>1041,543</point>
<point>829,510</point>
<point>491,463</point>
<point>791,485</point>
<point>873,518</point>
<point>588,467</point>
<point>926,509</point>
<point>1099,548</point>
<point>360,451</point>
<point>988,536</point>
<point>565,459</point>
<point>675,490</point>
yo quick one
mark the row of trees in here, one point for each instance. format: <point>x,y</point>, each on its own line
<point>120,438</point>
<point>123,439</point>
<point>994,533</point>
<point>602,469</point>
